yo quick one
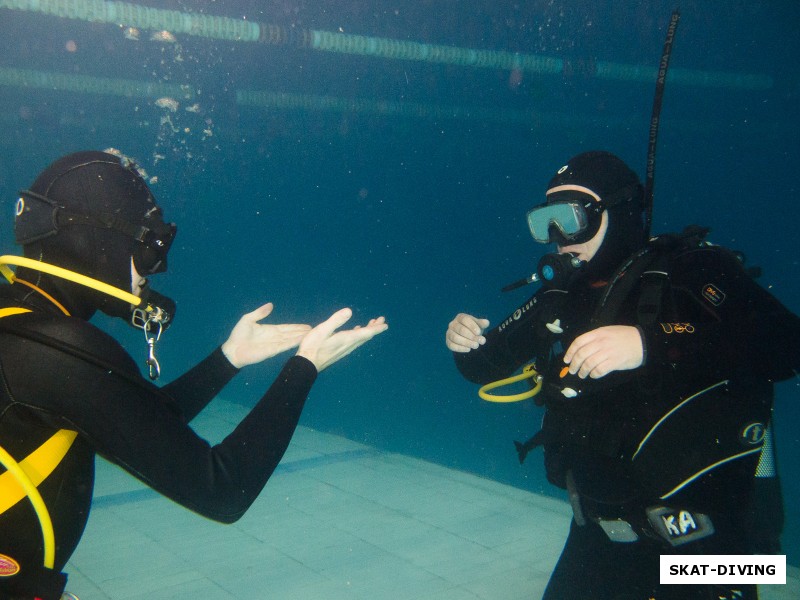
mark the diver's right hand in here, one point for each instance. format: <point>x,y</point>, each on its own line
<point>465,333</point>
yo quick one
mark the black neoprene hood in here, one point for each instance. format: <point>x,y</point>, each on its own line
<point>621,193</point>
<point>92,212</point>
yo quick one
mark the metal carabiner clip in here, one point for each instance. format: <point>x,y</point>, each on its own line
<point>150,319</point>
<point>154,369</point>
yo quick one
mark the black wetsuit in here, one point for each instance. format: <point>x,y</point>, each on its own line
<point>716,335</point>
<point>58,372</point>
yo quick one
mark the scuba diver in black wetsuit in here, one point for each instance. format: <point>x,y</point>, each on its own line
<point>91,232</point>
<point>656,360</point>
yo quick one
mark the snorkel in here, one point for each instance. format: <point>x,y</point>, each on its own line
<point>151,312</point>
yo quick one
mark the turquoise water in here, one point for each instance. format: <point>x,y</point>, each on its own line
<point>413,213</point>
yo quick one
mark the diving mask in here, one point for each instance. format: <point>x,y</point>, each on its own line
<point>563,221</point>
<point>572,213</point>
<point>150,254</point>
<point>38,217</point>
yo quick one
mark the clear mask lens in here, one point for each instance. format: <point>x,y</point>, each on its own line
<point>569,218</point>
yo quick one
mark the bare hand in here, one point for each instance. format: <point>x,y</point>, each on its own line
<point>323,345</point>
<point>465,333</point>
<point>598,352</point>
<point>251,342</point>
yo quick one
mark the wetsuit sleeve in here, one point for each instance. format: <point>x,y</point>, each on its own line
<point>724,320</point>
<point>136,425</point>
<point>518,339</point>
<point>221,481</point>
<point>193,390</point>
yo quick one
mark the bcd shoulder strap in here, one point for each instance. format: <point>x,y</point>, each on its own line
<point>650,267</point>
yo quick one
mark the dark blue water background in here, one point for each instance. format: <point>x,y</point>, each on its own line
<point>410,217</point>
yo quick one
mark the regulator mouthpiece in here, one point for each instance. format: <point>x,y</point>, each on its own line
<point>554,270</point>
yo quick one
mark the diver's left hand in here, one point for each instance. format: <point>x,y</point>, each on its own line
<point>251,342</point>
<point>324,345</point>
<point>598,352</point>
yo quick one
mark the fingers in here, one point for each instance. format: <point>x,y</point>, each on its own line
<point>594,366</point>
<point>471,324</point>
<point>597,353</point>
<point>358,335</point>
<point>464,333</point>
<point>577,345</point>
<point>456,343</point>
<point>251,342</point>
<point>324,346</point>
<point>261,312</point>
<point>586,355</point>
<point>336,320</point>
<point>376,326</point>
<point>329,326</point>
<point>340,317</point>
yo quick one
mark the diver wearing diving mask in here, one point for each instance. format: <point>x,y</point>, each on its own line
<point>113,233</point>
<point>93,213</point>
<point>91,233</point>
<point>631,330</point>
<point>595,214</point>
